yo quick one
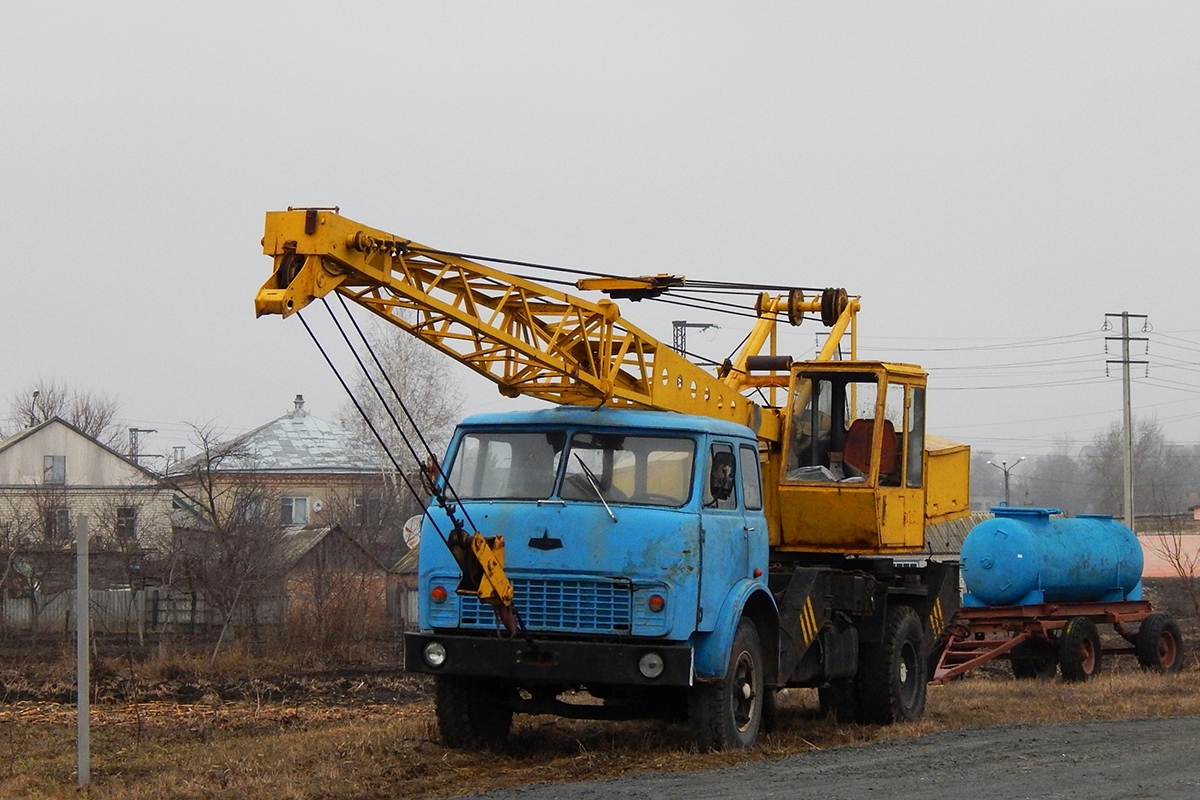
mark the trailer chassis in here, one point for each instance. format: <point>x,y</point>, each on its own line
<point>1041,638</point>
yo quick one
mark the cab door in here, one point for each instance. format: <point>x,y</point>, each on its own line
<point>901,443</point>
<point>725,531</point>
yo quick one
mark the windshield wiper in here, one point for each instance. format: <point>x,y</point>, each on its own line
<point>595,486</point>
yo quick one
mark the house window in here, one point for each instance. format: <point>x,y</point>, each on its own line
<point>368,509</point>
<point>54,470</point>
<point>126,522</point>
<point>295,510</point>
<point>248,506</point>
<point>58,524</point>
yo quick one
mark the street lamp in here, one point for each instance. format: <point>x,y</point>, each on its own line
<point>1003,465</point>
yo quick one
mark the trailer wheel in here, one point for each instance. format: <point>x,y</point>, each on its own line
<point>472,712</point>
<point>1159,644</point>
<point>1034,659</point>
<point>892,679</point>
<point>729,714</point>
<point>1079,654</point>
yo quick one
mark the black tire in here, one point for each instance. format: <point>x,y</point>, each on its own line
<point>840,700</point>
<point>1159,644</point>
<point>472,712</point>
<point>1079,655</point>
<point>729,714</point>
<point>1034,659</point>
<point>891,675</point>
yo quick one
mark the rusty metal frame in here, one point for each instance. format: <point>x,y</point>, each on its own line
<point>977,636</point>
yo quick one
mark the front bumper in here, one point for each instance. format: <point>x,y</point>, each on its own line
<point>551,662</point>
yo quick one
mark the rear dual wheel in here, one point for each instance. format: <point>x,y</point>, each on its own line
<point>892,675</point>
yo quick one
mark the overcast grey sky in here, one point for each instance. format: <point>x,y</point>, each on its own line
<point>992,178</point>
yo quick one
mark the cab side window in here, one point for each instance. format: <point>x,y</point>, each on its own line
<point>751,479</point>
<point>719,489</point>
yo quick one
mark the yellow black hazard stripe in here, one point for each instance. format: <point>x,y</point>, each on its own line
<point>808,622</point>
<point>936,622</point>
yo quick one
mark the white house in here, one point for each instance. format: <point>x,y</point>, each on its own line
<point>54,473</point>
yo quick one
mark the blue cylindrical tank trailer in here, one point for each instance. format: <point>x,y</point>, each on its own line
<point>1026,556</point>
<point>1047,581</point>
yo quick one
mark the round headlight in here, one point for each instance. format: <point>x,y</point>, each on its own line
<point>435,654</point>
<point>651,665</point>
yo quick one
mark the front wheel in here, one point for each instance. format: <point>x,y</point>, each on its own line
<point>729,714</point>
<point>472,712</point>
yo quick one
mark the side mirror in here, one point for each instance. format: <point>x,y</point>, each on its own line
<point>720,478</point>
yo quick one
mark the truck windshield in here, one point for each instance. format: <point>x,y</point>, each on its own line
<point>640,470</point>
<point>507,464</point>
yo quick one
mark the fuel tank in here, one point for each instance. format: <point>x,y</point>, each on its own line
<point>1026,555</point>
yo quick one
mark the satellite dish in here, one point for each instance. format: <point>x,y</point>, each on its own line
<point>317,505</point>
<point>412,531</point>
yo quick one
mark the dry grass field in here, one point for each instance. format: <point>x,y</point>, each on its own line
<point>248,749</point>
<point>370,734</point>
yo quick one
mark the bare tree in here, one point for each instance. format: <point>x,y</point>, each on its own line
<point>1057,480</point>
<point>227,543</point>
<point>129,536</point>
<point>373,512</point>
<point>426,384</point>
<point>1161,474</point>
<point>336,599</point>
<point>1174,547</point>
<point>38,550</point>
<point>93,413</point>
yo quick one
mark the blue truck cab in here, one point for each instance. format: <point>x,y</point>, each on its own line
<point>637,547</point>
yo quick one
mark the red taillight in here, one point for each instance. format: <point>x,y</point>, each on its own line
<point>657,603</point>
<point>438,594</point>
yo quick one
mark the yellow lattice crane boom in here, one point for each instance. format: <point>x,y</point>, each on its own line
<point>528,338</point>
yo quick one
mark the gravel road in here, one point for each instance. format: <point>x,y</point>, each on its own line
<point>1118,759</point>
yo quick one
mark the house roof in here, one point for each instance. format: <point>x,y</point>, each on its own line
<point>297,443</point>
<point>59,421</point>
<point>407,562</point>
<point>297,542</point>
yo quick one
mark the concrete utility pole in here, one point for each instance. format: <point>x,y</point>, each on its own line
<point>1003,465</point>
<point>679,329</point>
<point>1127,405</point>
<point>83,665</point>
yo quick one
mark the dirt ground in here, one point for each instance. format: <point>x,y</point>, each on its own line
<point>1113,760</point>
<point>354,734</point>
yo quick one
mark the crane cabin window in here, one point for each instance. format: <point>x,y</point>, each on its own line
<point>831,428</point>
<point>515,465</point>
<point>633,469</point>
